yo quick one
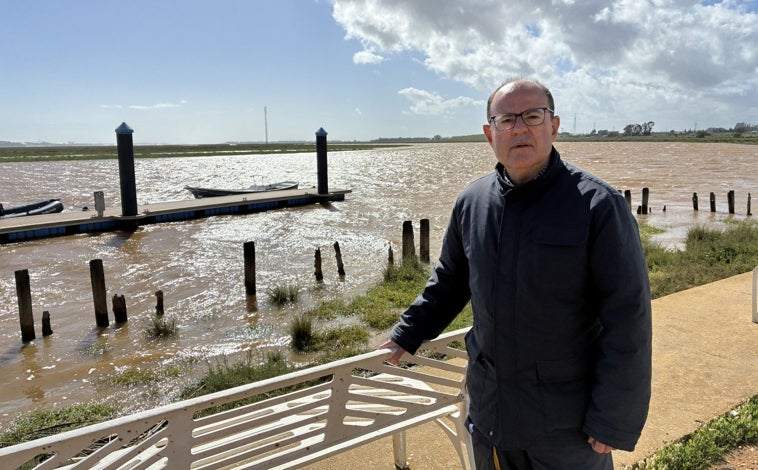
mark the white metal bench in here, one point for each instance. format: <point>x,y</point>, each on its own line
<point>323,411</point>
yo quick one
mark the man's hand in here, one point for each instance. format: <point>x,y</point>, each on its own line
<point>398,352</point>
<point>599,447</point>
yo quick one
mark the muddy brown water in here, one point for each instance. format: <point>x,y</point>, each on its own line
<point>198,264</point>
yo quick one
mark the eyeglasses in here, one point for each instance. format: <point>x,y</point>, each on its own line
<point>531,117</point>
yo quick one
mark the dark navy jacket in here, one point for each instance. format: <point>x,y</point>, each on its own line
<point>560,347</point>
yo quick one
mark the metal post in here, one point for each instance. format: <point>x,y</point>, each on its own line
<point>323,184</point>
<point>99,203</point>
<point>126,169</point>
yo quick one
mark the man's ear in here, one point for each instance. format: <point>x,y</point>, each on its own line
<point>487,132</point>
<point>556,122</point>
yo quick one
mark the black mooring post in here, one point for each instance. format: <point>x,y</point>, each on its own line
<point>323,183</point>
<point>126,169</point>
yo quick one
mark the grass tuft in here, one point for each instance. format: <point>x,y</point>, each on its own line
<point>51,421</point>
<point>282,295</point>
<point>161,327</point>
<point>709,443</point>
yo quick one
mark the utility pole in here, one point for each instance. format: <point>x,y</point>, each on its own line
<point>265,122</point>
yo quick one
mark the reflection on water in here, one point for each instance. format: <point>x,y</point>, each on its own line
<point>198,264</point>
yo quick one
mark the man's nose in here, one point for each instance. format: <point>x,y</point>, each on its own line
<point>516,124</point>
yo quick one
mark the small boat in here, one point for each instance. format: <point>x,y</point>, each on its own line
<point>256,188</point>
<point>49,206</point>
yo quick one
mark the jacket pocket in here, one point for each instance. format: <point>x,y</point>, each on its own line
<point>557,257</point>
<point>482,390</point>
<point>565,388</point>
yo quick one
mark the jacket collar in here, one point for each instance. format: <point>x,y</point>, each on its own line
<point>543,179</point>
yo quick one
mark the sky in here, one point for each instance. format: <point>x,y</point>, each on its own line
<point>199,71</point>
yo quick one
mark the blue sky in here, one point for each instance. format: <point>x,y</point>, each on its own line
<point>202,72</point>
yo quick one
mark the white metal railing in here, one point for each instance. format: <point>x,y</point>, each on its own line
<point>333,408</point>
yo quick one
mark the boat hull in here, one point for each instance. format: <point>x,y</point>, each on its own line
<point>49,206</point>
<point>216,192</point>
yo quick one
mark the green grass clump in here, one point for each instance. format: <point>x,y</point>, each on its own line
<point>709,443</point>
<point>51,421</point>
<point>282,295</point>
<point>139,376</point>
<point>301,333</point>
<point>223,375</point>
<point>344,338</point>
<point>161,327</point>
<point>709,255</point>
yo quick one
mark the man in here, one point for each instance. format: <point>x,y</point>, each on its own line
<point>550,258</point>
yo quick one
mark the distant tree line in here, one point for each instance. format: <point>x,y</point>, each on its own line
<point>646,128</point>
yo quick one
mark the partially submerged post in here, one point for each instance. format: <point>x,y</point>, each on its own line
<point>645,198</point>
<point>159,302</point>
<point>338,255</point>
<point>126,170</point>
<point>748,205</point>
<point>409,247</point>
<point>694,202</point>
<point>248,250</point>
<point>24,294</point>
<point>47,330</point>
<point>423,246</point>
<point>119,308</point>
<point>628,197</point>
<point>713,202</point>
<point>730,201</point>
<point>323,181</point>
<point>97,277</point>
<point>317,265</point>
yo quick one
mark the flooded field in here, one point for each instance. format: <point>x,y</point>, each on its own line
<point>198,264</point>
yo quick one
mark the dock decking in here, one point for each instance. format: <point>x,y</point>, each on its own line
<point>18,229</point>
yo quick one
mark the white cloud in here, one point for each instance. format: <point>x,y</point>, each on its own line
<point>431,104</point>
<point>158,105</point>
<point>367,57</point>
<point>603,59</point>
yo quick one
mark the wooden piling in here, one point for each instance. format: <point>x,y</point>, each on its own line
<point>47,330</point>
<point>424,241</point>
<point>409,247</point>
<point>628,197</point>
<point>249,254</point>
<point>119,308</point>
<point>338,255</point>
<point>97,277</point>
<point>25,315</point>
<point>713,202</point>
<point>317,265</point>
<point>390,256</point>
<point>730,201</point>
<point>748,205</point>
<point>645,199</point>
<point>694,202</point>
<point>159,303</point>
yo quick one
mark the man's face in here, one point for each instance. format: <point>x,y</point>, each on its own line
<point>523,150</point>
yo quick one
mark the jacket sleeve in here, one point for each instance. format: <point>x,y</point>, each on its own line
<point>621,293</point>
<point>446,293</point>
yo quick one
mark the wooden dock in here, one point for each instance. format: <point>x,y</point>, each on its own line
<point>18,229</point>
